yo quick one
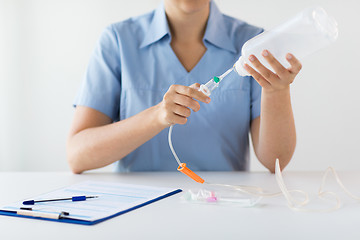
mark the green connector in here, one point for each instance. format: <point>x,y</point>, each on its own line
<point>216,79</point>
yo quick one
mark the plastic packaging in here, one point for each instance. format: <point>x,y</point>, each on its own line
<point>307,32</point>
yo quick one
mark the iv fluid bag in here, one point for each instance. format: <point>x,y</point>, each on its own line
<point>307,32</point>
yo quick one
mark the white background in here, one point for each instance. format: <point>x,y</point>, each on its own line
<point>45,46</point>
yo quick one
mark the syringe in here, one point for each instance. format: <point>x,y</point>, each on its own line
<point>213,83</point>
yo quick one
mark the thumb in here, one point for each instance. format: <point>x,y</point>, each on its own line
<point>195,86</point>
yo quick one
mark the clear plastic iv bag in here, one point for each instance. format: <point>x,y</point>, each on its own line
<point>307,32</point>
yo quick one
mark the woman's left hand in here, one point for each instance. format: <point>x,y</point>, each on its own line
<point>269,81</point>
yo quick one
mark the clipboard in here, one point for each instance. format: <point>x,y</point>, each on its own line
<point>114,199</point>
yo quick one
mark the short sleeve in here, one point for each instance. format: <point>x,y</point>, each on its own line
<point>255,99</point>
<point>101,85</point>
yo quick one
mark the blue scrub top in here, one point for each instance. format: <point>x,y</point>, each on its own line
<point>132,67</point>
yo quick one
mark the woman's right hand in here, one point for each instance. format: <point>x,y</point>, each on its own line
<point>178,102</point>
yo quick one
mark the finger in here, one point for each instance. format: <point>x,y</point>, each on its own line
<point>257,76</point>
<point>179,119</point>
<point>186,102</point>
<point>174,118</point>
<point>181,111</point>
<point>295,64</point>
<point>191,92</point>
<point>275,64</point>
<point>195,86</point>
<point>266,73</point>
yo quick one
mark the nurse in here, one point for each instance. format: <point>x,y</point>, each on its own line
<point>144,75</point>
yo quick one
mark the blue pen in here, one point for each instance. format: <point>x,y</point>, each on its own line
<point>74,199</point>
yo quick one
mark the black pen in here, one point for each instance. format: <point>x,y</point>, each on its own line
<point>74,199</point>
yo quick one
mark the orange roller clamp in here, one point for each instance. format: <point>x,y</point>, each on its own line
<point>182,168</point>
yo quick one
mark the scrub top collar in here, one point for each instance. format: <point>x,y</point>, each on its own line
<point>215,32</point>
<point>158,27</point>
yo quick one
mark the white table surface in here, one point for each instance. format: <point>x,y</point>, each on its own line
<point>174,218</point>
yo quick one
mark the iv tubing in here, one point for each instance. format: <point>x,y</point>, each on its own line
<point>225,73</point>
<point>171,146</point>
<point>293,204</point>
<point>257,191</point>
